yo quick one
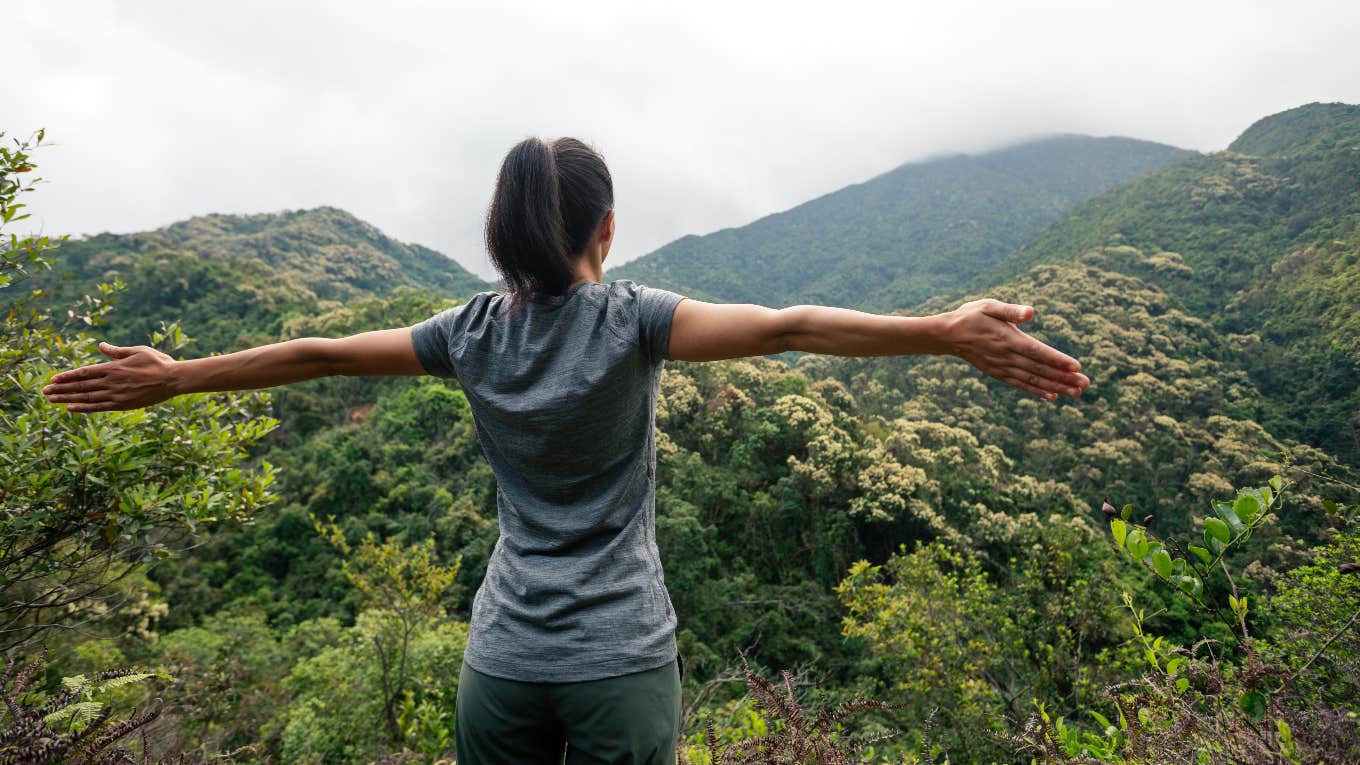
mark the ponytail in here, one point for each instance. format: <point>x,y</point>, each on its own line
<point>549,199</point>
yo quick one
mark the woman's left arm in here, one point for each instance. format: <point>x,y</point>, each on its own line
<point>140,376</point>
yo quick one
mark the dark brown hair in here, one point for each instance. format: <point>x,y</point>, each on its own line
<point>550,197</point>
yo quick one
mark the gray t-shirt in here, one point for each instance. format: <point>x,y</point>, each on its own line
<point>563,394</point>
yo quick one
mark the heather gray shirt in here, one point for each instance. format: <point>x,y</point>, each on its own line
<point>563,394</point>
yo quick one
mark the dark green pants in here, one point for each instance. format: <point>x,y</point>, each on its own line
<point>629,720</point>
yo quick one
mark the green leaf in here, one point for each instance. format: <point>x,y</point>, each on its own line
<point>1120,531</point>
<point>1201,553</point>
<point>1216,529</point>
<point>1161,563</point>
<point>1139,545</point>
<point>1188,584</point>
<point>1254,704</point>
<point>1182,684</point>
<point>1246,508</point>
<point>1229,516</point>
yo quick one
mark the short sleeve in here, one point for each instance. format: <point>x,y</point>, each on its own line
<point>656,309</point>
<point>436,338</point>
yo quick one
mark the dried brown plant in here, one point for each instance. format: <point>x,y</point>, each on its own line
<point>797,735</point>
<point>27,738</point>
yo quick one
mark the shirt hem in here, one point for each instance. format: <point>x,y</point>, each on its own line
<point>575,673</point>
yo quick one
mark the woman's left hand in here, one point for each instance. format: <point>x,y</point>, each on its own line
<point>985,334</point>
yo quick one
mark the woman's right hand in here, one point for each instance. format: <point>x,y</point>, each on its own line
<point>985,334</point>
<point>134,377</point>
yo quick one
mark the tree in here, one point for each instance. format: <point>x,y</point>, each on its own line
<point>84,500</point>
<point>403,588</point>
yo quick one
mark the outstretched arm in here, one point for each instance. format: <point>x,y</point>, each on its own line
<point>140,376</point>
<point>984,333</point>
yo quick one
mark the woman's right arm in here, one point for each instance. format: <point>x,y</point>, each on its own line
<point>140,376</point>
<point>983,332</point>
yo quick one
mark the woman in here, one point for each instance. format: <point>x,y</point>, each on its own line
<point>572,636</point>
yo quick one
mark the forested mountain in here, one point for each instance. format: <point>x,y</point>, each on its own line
<point>236,278</point>
<point>1263,241</point>
<point>776,478</point>
<point>897,528</point>
<point>899,238</point>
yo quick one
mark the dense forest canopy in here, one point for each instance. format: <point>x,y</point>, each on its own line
<point>1161,569</point>
<point>1261,245</point>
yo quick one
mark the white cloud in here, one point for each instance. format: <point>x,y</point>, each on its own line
<point>710,113</point>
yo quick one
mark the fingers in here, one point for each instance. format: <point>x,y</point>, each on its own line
<point>1045,354</point>
<point>88,395</point>
<point>102,406</point>
<point>91,372</point>
<point>80,398</point>
<point>1022,384</point>
<point>1012,312</point>
<point>116,351</point>
<point>1037,380</point>
<point>1025,365</point>
<point>74,387</point>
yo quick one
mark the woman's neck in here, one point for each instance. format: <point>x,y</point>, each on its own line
<point>589,267</point>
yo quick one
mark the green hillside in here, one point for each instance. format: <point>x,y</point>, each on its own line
<point>774,478</point>
<point>903,236</point>
<point>233,279</point>
<point>1265,245</point>
<point>1314,127</point>
<point>899,529</point>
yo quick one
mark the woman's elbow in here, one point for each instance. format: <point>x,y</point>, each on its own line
<point>324,355</point>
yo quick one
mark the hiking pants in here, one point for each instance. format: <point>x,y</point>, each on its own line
<point>631,719</point>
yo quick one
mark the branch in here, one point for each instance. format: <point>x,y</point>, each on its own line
<point>1328,644</point>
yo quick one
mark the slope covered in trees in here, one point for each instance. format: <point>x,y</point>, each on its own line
<point>236,278</point>
<point>899,238</point>
<point>1262,241</point>
<point>775,479</point>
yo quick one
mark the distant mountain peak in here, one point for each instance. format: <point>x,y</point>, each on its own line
<point>1301,129</point>
<point>902,236</point>
<point>210,224</point>
<point>325,252</point>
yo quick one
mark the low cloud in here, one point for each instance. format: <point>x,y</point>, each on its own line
<point>710,114</point>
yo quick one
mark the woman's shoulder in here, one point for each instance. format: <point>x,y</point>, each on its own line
<point>635,291</point>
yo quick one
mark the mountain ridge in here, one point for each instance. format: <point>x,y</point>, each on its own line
<point>911,230</point>
<point>234,280</point>
<point>1264,246</point>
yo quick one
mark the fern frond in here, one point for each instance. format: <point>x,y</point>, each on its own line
<point>118,681</point>
<point>80,713</point>
<point>76,684</point>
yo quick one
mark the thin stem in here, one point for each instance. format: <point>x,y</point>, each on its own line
<point>1241,614</point>
<point>1327,644</point>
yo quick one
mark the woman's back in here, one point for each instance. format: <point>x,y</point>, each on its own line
<point>563,392</point>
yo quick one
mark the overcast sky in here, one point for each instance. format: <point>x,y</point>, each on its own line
<point>709,114</point>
